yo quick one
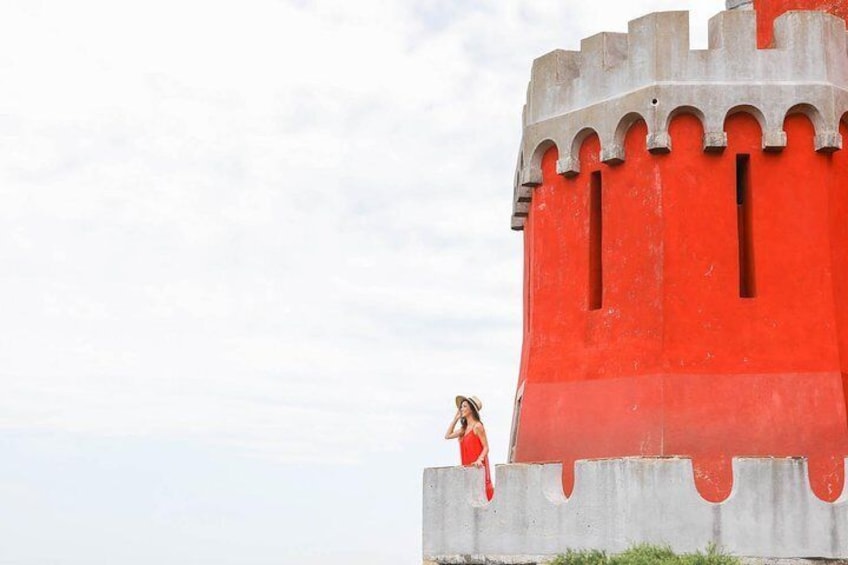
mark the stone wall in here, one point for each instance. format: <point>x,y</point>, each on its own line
<point>771,511</point>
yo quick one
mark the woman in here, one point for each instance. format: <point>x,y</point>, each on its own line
<point>473,445</point>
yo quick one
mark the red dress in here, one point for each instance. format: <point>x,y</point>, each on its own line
<point>470,448</point>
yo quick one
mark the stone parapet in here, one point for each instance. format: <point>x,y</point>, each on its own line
<point>651,74</point>
<point>771,511</point>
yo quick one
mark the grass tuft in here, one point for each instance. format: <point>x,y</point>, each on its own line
<point>645,554</point>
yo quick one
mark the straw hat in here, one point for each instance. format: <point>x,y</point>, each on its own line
<point>478,404</point>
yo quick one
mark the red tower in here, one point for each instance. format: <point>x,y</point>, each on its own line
<point>685,218</point>
<point>769,10</point>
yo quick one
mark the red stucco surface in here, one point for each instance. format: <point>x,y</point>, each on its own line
<point>768,10</point>
<point>675,362</point>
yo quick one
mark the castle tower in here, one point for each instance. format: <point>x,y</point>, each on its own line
<point>684,367</point>
<point>685,222</point>
<point>769,10</point>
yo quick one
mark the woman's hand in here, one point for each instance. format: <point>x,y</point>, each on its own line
<point>478,463</point>
<point>452,433</point>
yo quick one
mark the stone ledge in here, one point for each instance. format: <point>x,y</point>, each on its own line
<point>771,511</point>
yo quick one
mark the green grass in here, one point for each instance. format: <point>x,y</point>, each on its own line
<point>646,555</point>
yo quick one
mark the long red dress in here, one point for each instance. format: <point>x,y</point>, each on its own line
<point>470,448</point>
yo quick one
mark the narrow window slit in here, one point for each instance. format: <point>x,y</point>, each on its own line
<point>596,272</point>
<point>747,283</point>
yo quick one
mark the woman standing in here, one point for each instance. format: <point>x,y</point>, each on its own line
<point>473,445</point>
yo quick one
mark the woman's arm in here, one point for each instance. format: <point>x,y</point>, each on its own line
<point>481,433</point>
<point>452,433</point>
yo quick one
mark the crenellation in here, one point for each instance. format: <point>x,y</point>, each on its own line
<point>552,483</point>
<point>606,50</point>
<point>651,72</point>
<point>771,511</point>
<point>811,44</point>
<point>732,50</point>
<point>604,60</point>
<point>837,38</point>
<point>734,32</point>
<point>550,81</point>
<point>554,68</point>
<point>763,503</point>
<point>658,47</point>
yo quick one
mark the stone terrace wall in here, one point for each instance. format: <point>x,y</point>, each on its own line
<point>771,511</point>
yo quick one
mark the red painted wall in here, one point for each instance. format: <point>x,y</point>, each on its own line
<point>675,362</point>
<point>768,10</point>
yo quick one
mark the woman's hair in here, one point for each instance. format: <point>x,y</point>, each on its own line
<point>474,411</point>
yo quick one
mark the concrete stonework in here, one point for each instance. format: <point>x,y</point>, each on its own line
<point>771,511</point>
<point>651,74</point>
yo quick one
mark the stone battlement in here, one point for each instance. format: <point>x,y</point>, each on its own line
<point>771,511</point>
<point>651,74</point>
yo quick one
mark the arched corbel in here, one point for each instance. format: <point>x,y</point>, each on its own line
<point>827,137</point>
<point>569,165</point>
<point>612,153</point>
<point>773,136</point>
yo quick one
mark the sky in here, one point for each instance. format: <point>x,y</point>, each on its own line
<point>250,253</point>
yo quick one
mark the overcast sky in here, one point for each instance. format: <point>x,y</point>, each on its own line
<point>250,252</point>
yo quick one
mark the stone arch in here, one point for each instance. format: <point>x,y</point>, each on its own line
<point>686,109</point>
<point>813,114</point>
<point>813,117</point>
<point>571,165</point>
<point>712,137</point>
<point>613,153</point>
<point>752,111</point>
<point>827,136</point>
<point>773,136</point>
<point>532,171</point>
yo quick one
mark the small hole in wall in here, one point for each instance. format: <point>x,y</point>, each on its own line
<point>654,101</point>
